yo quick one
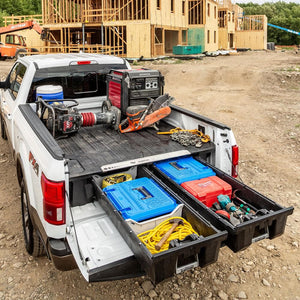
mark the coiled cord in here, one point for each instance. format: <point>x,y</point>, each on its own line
<point>151,237</point>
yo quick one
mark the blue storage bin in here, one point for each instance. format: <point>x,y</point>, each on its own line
<point>49,92</point>
<point>140,199</point>
<point>184,169</point>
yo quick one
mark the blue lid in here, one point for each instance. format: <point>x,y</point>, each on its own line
<point>184,169</point>
<point>140,199</point>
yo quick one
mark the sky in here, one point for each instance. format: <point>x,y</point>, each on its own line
<point>263,1</point>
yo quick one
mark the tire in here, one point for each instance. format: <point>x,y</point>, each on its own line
<point>20,53</point>
<point>33,243</point>
<point>2,128</point>
<point>106,106</point>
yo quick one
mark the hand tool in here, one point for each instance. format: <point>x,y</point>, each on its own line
<point>176,222</point>
<point>246,205</point>
<point>178,242</point>
<point>152,236</point>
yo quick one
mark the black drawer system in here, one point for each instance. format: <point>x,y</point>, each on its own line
<point>240,236</point>
<point>214,231</point>
<point>159,266</point>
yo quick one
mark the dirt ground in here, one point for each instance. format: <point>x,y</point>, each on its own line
<point>257,94</point>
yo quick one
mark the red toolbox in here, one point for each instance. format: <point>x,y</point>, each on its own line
<point>208,189</point>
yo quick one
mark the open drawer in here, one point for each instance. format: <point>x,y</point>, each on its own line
<point>184,255</point>
<point>269,223</point>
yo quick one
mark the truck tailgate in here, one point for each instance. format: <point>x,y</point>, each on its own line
<point>98,248</point>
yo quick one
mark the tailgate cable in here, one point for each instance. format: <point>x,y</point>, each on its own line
<point>75,233</point>
<point>228,155</point>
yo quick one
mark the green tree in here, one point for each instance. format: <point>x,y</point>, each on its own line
<point>19,7</point>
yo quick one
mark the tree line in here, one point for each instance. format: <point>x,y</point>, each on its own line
<point>19,8</point>
<point>282,14</point>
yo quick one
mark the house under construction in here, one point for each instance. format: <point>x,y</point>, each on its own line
<point>148,28</point>
<point>132,28</point>
<point>239,31</point>
<point>123,27</point>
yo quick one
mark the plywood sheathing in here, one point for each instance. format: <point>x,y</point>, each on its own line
<point>211,26</point>
<point>252,33</point>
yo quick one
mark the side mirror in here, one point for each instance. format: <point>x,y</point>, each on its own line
<point>3,84</point>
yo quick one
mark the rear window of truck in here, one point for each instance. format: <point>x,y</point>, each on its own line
<point>77,81</point>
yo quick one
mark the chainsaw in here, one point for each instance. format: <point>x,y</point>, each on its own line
<point>142,116</point>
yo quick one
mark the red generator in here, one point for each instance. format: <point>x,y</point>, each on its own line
<point>133,87</point>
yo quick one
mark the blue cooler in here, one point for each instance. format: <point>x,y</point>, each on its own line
<point>140,199</point>
<point>49,92</point>
<point>184,169</point>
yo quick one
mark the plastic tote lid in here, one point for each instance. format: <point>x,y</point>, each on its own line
<point>49,89</point>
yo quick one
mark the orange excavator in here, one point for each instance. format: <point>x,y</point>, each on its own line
<point>15,45</point>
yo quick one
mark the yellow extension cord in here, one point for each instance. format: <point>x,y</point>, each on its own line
<point>151,237</point>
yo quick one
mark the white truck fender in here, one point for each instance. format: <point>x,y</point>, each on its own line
<point>24,170</point>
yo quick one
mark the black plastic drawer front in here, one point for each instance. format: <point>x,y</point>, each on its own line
<point>243,235</point>
<point>165,264</point>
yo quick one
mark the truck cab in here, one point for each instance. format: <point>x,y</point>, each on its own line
<point>14,46</point>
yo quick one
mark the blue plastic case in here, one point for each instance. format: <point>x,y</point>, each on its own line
<point>184,169</point>
<point>140,199</point>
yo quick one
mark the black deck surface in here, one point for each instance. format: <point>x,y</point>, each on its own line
<point>93,147</point>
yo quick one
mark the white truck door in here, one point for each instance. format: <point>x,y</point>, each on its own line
<point>10,95</point>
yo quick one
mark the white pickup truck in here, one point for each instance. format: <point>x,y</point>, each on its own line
<point>65,212</point>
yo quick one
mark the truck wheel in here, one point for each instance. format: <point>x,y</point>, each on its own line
<point>106,106</point>
<point>2,127</point>
<point>20,53</point>
<point>33,244</point>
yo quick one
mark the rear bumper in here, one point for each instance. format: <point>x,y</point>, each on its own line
<point>57,250</point>
<point>61,255</point>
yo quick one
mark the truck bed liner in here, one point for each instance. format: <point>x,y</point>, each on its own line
<point>93,147</point>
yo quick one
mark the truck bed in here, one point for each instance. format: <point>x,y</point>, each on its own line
<point>97,148</point>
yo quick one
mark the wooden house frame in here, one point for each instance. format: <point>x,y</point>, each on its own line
<point>239,31</point>
<point>131,28</point>
<point>203,21</point>
<point>226,24</point>
<point>252,32</point>
<point>148,28</point>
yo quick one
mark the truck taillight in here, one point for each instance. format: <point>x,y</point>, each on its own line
<point>54,201</point>
<point>235,160</point>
